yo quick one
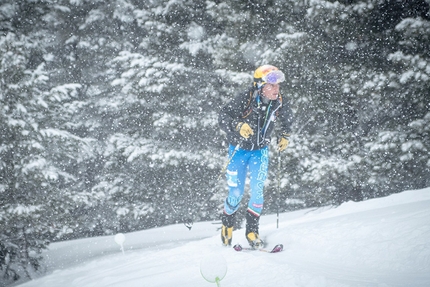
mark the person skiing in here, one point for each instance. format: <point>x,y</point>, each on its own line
<point>249,120</point>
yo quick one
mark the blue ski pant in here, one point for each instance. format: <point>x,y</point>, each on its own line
<point>257,163</point>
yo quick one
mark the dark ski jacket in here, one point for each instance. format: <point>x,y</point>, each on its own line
<point>260,113</point>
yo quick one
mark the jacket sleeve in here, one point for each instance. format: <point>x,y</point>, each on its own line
<point>231,114</point>
<point>286,118</point>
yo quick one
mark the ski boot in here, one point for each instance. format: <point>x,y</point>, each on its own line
<point>251,232</point>
<point>226,235</point>
<point>254,240</point>
<point>227,229</point>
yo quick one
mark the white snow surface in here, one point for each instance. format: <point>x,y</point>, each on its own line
<point>379,242</point>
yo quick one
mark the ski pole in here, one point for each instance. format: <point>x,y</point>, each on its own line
<point>279,187</point>
<point>188,222</point>
<point>229,159</point>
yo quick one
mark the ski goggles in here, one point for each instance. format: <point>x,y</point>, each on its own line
<point>273,77</point>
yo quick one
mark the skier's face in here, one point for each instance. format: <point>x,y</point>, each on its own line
<point>270,91</point>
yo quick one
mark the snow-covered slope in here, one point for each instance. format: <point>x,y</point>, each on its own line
<point>380,242</point>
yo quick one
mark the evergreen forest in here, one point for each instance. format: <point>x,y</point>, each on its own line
<point>108,110</point>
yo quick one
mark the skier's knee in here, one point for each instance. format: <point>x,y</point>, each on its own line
<point>232,180</point>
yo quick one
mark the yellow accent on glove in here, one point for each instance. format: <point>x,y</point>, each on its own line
<point>283,142</point>
<point>244,130</point>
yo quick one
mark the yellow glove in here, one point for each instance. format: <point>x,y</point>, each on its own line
<point>283,141</point>
<point>244,130</point>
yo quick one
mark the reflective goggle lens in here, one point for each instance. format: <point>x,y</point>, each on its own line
<point>274,77</point>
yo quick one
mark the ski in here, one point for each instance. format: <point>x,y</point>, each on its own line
<point>276,249</point>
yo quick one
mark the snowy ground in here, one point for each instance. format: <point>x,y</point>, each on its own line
<point>380,242</point>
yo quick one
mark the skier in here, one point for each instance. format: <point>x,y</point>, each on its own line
<point>248,120</point>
